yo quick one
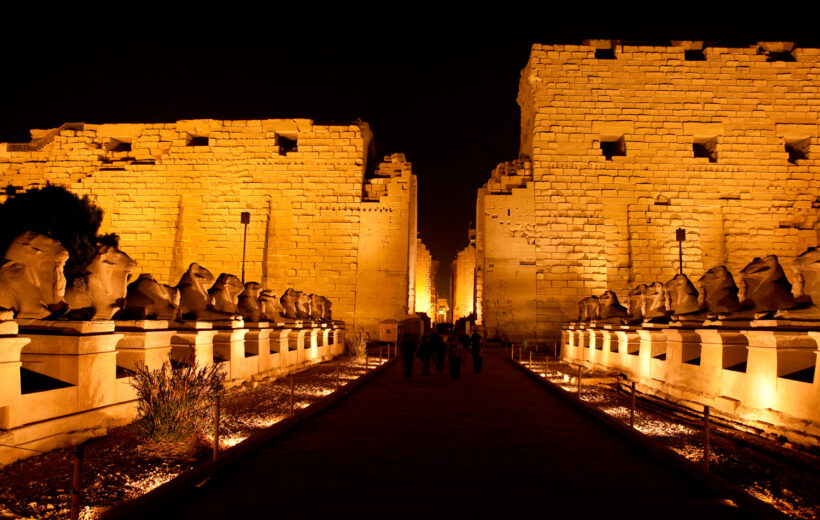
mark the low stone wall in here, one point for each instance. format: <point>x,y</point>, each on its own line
<point>77,382</point>
<point>762,374</point>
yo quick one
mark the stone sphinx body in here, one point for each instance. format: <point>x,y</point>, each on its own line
<point>653,303</point>
<point>225,294</point>
<point>148,299</point>
<point>327,312</point>
<point>806,289</point>
<point>718,292</point>
<point>248,305</point>
<point>588,308</point>
<point>32,283</point>
<point>270,306</point>
<point>681,296</point>
<point>634,305</point>
<point>288,302</point>
<point>303,306</point>
<point>764,289</point>
<point>317,307</point>
<point>195,302</point>
<point>609,308</point>
<point>100,291</point>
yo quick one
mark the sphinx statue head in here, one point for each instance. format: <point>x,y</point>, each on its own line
<point>588,309</point>
<point>288,301</point>
<point>32,283</point>
<point>327,305</point>
<point>225,293</point>
<point>303,305</point>
<point>718,292</point>
<point>634,303</point>
<point>194,300</point>
<point>654,302</point>
<point>764,287</point>
<point>248,305</point>
<point>100,291</point>
<point>610,307</point>
<point>681,296</point>
<point>317,307</point>
<point>806,289</point>
<point>148,299</point>
<point>272,309</point>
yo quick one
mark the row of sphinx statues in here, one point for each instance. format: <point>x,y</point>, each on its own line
<point>33,285</point>
<point>764,292</point>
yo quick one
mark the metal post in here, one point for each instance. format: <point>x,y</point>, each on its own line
<point>75,484</point>
<point>291,395</point>
<point>706,447</point>
<point>632,408</point>
<point>216,429</point>
<point>680,236</point>
<point>519,353</point>
<point>530,366</point>
<point>555,347</point>
<point>579,382</point>
<point>381,353</point>
<point>546,365</point>
<point>338,383</point>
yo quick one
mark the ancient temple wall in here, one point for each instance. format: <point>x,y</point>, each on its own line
<point>464,283</point>
<point>423,280</point>
<point>174,193</point>
<point>505,262</point>
<point>610,223</point>
<point>384,260</point>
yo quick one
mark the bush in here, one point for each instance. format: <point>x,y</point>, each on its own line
<point>356,347</point>
<point>176,403</point>
<point>57,213</point>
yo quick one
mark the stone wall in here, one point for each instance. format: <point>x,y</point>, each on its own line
<point>174,193</point>
<point>505,253</point>
<point>425,283</point>
<point>628,143</point>
<point>463,275</point>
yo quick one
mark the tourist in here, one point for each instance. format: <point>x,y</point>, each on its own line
<point>439,350</point>
<point>408,352</point>
<point>425,353</point>
<point>456,352</point>
<point>477,343</point>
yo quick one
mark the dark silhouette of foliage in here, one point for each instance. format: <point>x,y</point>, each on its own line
<point>56,212</point>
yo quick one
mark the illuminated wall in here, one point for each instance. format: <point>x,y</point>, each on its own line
<point>174,193</point>
<point>424,280</point>
<point>628,143</point>
<point>463,275</point>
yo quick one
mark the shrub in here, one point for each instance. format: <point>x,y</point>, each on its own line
<point>175,403</point>
<point>356,347</point>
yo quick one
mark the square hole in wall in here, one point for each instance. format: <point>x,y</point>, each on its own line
<point>286,144</point>
<point>613,147</point>
<point>705,148</point>
<point>797,149</point>
<point>605,54</point>
<point>197,140</point>
<point>780,56</point>
<point>694,55</point>
<point>118,145</point>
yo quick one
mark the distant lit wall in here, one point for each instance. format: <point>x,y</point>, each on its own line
<point>424,281</point>
<point>174,193</point>
<point>464,283</point>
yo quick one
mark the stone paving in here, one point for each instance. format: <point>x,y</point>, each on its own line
<point>488,445</point>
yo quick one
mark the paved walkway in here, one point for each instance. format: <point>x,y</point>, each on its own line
<point>491,445</point>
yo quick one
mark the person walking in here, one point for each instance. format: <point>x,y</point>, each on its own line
<point>439,350</point>
<point>425,353</point>
<point>408,352</point>
<point>455,353</point>
<point>477,349</point>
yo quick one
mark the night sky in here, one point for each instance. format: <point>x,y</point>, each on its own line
<point>440,90</point>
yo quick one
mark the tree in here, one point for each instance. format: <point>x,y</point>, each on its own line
<point>57,213</point>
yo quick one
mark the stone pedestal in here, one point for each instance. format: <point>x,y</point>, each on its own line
<point>229,345</point>
<point>146,342</point>
<point>11,346</point>
<point>259,342</point>
<point>193,343</point>
<point>81,353</point>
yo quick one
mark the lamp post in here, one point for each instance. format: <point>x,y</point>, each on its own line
<point>680,236</point>
<point>245,219</point>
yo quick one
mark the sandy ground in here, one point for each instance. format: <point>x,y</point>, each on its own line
<point>119,467</point>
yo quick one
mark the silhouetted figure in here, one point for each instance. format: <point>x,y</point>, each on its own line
<point>408,352</point>
<point>477,344</point>
<point>439,350</point>
<point>425,353</point>
<point>456,353</point>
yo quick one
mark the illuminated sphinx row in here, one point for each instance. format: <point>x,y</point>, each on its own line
<point>32,285</point>
<point>763,292</point>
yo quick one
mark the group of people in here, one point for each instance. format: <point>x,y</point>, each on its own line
<point>438,347</point>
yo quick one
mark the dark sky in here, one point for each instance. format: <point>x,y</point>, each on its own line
<point>443,92</point>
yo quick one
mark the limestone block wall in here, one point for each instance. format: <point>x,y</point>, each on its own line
<point>174,193</point>
<point>463,276</point>
<point>505,265</point>
<point>629,143</point>
<point>424,280</point>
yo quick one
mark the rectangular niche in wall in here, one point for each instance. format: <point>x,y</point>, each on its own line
<point>286,144</point>
<point>612,147</point>
<point>196,140</point>
<point>798,149</point>
<point>705,147</point>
